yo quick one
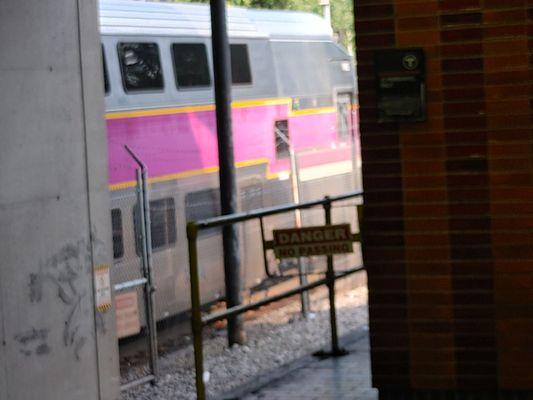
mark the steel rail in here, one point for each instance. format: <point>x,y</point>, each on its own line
<point>218,316</point>
<point>137,382</point>
<point>130,284</point>
<point>264,212</point>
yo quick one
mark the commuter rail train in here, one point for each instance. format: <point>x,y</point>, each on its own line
<point>288,76</point>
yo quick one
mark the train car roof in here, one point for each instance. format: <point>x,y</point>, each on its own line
<point>130,17</point>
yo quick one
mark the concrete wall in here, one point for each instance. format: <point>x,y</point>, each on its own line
<point>449,201</point>
<point>54,206</point>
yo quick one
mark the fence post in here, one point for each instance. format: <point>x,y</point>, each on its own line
<point>226,172</point>
<point>148,273</point>
<point>295,186</point>
<point>144,221</point>
<point>330,277</point>
<point>196,318</point>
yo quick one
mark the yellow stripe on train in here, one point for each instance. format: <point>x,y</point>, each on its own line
<point>186,174</point>
<point>211,107</point>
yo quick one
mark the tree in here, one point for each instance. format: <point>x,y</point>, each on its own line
<point>341,14</point>
<point>342,21</point>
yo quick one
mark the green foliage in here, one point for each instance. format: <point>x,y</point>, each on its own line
<point>341,13</point>
<point>342,21</point>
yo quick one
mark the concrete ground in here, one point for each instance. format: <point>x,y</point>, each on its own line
<point>310,378</point>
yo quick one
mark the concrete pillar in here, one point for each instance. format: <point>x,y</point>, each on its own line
<point>54,206</point>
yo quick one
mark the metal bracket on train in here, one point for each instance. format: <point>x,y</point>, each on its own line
<point>267,245</point>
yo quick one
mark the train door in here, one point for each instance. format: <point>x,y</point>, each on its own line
<point>348,132</point>
<point>347,136</point>
<point>251,198</point>
<point>202,202</point>
<point>344,117</point>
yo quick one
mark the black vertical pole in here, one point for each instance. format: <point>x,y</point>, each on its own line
<point>330,277</point>
<point>228,188</point>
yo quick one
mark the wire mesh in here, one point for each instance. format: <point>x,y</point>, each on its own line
<point>173,203</point>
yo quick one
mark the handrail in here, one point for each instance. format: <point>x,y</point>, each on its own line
<point>198,321</point>
<point>264,212</point>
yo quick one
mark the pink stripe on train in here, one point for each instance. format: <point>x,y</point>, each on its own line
<point>176,143</point>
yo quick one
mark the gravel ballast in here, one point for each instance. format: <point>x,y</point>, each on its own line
<point>274,338</point>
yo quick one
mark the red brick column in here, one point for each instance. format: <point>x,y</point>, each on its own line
<point>384,225</point>
<point>449,202</point>
<point>425,204</point>
<point>508,70</point>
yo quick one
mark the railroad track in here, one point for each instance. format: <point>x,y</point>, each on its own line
<point>175,333</point>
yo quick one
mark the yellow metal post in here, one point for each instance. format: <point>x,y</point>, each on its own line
<point>330,277</point>
<point>196,318</point>
<point>360,222</point>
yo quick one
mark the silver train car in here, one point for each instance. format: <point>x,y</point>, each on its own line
<point>289,76</point>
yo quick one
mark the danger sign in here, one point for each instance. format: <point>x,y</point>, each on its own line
<point>313,241</point>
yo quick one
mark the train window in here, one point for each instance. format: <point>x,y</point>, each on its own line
<point>240,64</point>
<point>116,226</point>
<point>141,66</point>
<point>106,78</point>
<point>276,192</point>
<point>163,224</point>
<point>252,197</point>
<point>201,205</point>
<point>190,65</point>
<point>281,138</point>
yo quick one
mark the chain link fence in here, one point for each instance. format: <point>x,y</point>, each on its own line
<point>174,202</point>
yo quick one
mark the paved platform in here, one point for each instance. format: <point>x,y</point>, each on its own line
<point>341,378</point>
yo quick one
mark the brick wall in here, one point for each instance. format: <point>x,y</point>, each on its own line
<point>449,202</point>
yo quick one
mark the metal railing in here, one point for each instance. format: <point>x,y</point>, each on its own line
<point>198,321</point>
<point>147,280</point>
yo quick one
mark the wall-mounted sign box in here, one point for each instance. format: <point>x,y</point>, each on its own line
<point>401,88</point>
